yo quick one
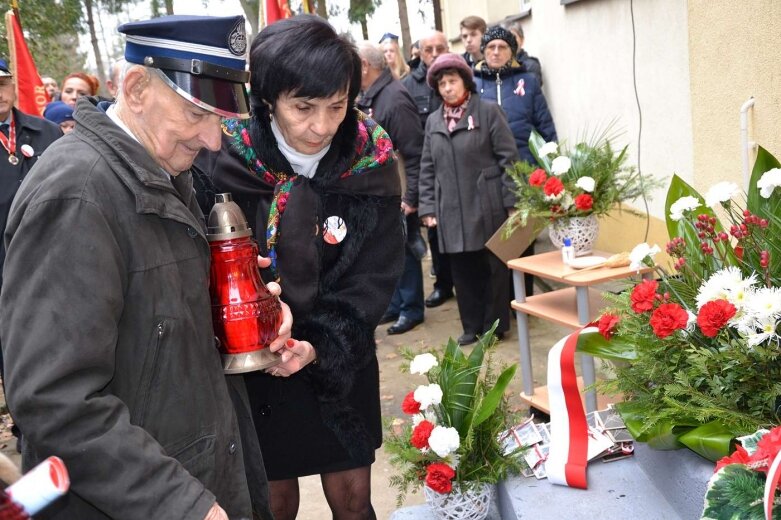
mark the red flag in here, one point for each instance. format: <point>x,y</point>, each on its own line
<point>31,97</point>
<point>276,10</point>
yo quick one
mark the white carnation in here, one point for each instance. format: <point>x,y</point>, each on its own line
<point>640,253</point>
<point>428,395</point>
<point>444,441</point>
<point>586,183</point>
<point>548,149</point>
<point>422,363</point>
<point>681,205</point>
<point>560,165</point>
<point>721,192</point>
<point>769,181</point>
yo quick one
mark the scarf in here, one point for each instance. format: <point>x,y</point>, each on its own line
<point>373,148</point>
<point>454,113</point>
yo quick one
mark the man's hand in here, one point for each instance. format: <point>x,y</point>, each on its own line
<point>407,208</point>
<point>295,355</point>
<point>429,221</point>
<point>216,513</point>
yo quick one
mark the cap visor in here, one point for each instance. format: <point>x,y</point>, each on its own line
<point>222,97</point>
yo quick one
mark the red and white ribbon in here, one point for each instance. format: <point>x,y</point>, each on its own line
<point>771,483</point>
<point>568,455</point>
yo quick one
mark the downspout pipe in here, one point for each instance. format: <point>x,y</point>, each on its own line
<point>745,145</point>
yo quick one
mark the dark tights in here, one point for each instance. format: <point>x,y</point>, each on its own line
<point>348,494</point>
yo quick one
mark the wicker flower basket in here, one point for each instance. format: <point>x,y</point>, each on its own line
<point>472,504</point>
<point>582,230</point>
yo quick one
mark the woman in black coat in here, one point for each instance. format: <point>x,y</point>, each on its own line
<point>317,180</point>
<point>466,193</point>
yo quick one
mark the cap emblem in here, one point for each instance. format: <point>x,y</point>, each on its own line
<point>237,39</point>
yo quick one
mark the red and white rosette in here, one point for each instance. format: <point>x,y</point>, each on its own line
<point>40,486</point>
<point>568,457</point>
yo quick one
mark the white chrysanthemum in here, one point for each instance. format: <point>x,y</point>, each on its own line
<point>422,363</point>
<point>765,332</point>
<point>727,284</point>
<point>721,192</point>
<point>548,149</point>
<point>769,181</point>
<point>444,441</point>
<point>586,183</point>
<point>640,253</point>
<point>763,302</point>
<point>428,395</point>
<point>683,204</point>
<point>560,165</point>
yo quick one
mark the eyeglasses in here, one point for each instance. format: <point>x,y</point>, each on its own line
<point>439,48</point>
<point>497,47</point>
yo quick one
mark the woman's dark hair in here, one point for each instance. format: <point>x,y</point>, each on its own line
<point>302,56</point>
<point>469,80</point>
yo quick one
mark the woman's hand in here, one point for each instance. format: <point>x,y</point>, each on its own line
<point>286,328</point>
<point>295,355</point>
<point>429,221</point>
<point>216,513</point>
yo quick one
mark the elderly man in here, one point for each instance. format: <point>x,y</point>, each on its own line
<point>431,46</point>
<point>113,81</point>
<point>387,101</point>
<point>106,317</point>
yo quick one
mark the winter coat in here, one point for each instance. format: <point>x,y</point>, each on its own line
<point>32,131</point>
<point>326,417</point>
<point>531,65</point>
<point>463,181</point>
<point>107,335</point>
<point>422,95</point>
<point>388,102</point>
<point>522,100</point>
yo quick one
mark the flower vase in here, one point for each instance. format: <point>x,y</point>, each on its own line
<point>582,230</point>
<point>471,503</point>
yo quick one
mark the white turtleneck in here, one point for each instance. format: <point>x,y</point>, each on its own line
<point>302,164</point>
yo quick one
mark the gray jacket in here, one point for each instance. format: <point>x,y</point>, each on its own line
<point>107,335</point>
<point>462,175</point>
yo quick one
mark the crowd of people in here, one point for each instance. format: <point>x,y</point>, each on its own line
<point>339,155</point>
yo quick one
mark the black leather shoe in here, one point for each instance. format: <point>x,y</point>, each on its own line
<point>403,325</point>
<point>467,339</point>
<point>388,317</point>
<point>437,298</point>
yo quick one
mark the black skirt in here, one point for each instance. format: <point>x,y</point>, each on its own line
<point>294,440</point>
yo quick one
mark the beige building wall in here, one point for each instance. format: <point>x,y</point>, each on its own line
<point>735,50</point>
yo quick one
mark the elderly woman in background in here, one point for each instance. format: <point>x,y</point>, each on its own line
<point>60,113</point>
<point>466,193</point>
<point>317,181</point>
<point>76,85</point>
<point>390,48</point>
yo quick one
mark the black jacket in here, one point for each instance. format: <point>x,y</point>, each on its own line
<point>388,102</point>
<point>422,95</point>
<point>32,131</point>
<point>530,64</point>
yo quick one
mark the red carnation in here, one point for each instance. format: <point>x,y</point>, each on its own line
<point>584,201</point>
<point>767,448</point>
<point>420,434</point>
<point>714,315</point>
<point>553,186</point>
<point>643,296</point>
<point>740,456</point>
<point>538,177</point>
<point>607,324</point>
<point>410,406</point>
<point>667,318</point>
<point>439,477</point>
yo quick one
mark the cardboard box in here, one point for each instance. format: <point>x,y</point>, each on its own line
<point>507,249</point>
